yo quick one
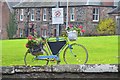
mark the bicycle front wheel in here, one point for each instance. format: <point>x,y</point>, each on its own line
<point>75,54</point>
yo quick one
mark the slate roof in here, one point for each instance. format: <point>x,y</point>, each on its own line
<point>11,4</point>
<point>52,4</point>
<point>47,3</point>
<point>116,10</point>
<point>35,4</point>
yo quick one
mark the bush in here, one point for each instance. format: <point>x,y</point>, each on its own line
<point>12,27</point>
<point>18,38</point>
<point>106,27</point>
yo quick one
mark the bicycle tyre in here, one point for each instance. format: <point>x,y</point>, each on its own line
<point>75,54</point>
<point>29,59</point>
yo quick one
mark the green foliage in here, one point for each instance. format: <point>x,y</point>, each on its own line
<point>106,27</point>
<point>12,27</point>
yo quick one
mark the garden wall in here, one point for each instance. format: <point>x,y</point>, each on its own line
<point>82,72</point>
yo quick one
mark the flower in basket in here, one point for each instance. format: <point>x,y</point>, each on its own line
<point>34,44</point>
<point>78,29</point>
<point>32,41</point>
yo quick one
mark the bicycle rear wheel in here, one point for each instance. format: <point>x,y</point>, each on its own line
<point>75,54</point>
<point>31,60</point>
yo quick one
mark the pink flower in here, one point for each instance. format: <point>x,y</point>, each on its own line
<point>82,30</point>
<point>81,27</point>
<point>34,38</point>
<point>70,25</point>
<point>27,45</point>
<point>30,37</point>
<point>34,30</point>
<point>31,24</point>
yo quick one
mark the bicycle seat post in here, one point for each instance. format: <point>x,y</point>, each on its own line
<point>57,38</point>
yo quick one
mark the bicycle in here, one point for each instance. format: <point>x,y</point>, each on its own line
<point>51,48</point>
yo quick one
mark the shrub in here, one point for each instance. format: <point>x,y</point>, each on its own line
<point>11,27</point>
<point>106,27</point>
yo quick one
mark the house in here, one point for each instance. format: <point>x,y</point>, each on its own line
<point>116,12</point>
<point>4,19</point>
<point>5,10</point>
<point>38,16</point>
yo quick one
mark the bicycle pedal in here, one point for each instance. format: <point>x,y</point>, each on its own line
<point>52,60</point>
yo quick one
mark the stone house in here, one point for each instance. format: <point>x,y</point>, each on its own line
<point>38,15</point>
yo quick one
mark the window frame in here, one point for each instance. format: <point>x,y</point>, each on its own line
<point>72,14</point>
<point>44,32</point>
<point>96,14</point>
<point>20,32</point>
<point>45,14</point>
<point>32,18</point>
<point>21,14</point>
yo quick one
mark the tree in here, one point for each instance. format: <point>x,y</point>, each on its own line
<point>12,27</point>
<point>106,27</point>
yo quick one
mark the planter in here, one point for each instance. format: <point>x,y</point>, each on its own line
<point>72,35</point>
<point>36,52</point>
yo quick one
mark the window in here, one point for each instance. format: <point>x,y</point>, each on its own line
<point>38,15</point>
<point>96,14</point>
<point>21,15</point>
<point>72,13</point>
<point>21,32</point>
<point>44,14</point>
<point>44,32</point>
<point>32,15</point>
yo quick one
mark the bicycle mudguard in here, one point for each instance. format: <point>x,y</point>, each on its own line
<point>56,46</point>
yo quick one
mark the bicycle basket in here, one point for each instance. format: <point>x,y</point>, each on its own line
<point>37,50</point>
<point>72,36</point>
<point>56,46</point>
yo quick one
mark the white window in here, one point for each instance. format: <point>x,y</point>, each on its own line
<point>21,32</point>
<point>21,15</point>
<point>95,14</point>
<point>44,14</point>
<point>72,13</point>
<point>32,15</point>
<point>44,32</point>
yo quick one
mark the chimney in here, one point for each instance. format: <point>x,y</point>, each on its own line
<point>107,3</point>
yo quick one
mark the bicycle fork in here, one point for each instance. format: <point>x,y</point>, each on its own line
<point>71,48</point>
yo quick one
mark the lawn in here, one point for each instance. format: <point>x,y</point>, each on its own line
<point>102,50</point>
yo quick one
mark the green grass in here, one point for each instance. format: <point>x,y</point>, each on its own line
<point>102,50</point>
